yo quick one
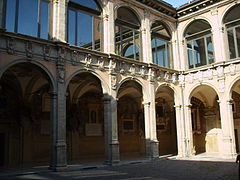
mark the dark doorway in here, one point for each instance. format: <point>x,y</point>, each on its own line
<point>2,148</point>
<point>236,139</point>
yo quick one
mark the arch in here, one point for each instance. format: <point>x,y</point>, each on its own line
<point>192,20</point>
<point>204,24</point>
<point>194,88</point>
<point>232,85</point>
<point>144,91</point>
<point>230,10</point>
<point>104,85</point>
<point>46,71</point>
<point>166,85</point>
<point>167,24</point>
<point>164,24</point>
<point>133,9</point>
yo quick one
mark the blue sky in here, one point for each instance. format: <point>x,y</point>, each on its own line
<point>176,3</point>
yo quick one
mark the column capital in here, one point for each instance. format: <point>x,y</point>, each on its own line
<point>188,105</point>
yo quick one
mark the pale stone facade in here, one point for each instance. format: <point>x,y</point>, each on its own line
<point>77,103</point>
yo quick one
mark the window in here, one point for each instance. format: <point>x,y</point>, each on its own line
<point>199,44</point>
<point>161,46</point>
<point>127,36</point>
<point>84,24</point>
<point>30,17</point>
<point>232,23</point>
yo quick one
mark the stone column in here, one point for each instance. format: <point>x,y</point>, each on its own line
<point>188,131</point>
<point>111,130</point>
<point>108,27</point>
<point>180,131</point>
<point>228,139</point>
<point>59,20</point>
<point>58,124</point>
<point>217,39</point>
<point>146,38</point>
<point>147,128</point>
<point>153,124</point>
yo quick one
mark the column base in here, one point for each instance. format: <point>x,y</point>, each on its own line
<point>58,168</point>
<point>154,149</point>
<point>113,154</point>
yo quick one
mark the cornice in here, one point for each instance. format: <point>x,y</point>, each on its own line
<point>160,6</point>
<point>194,6</point>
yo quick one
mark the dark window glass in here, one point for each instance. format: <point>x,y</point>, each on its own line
<point>210,50</point>
<point>232,51</point>
<point>44,20</point>
<point>30,17</point>
<point>84,25</point>
<point>72,26</point>
<point>85,30</point>
<point>199,44</point>
<point>132,51</point>
<point>238,40</point>
<point>161,47</point>
<point>10,15</point>
<point>232,22</point>
<point>190,55</point>
<point>127,37</point>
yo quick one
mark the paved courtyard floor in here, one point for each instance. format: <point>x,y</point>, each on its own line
<point>161,169</point>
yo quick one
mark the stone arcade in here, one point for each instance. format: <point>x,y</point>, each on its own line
<point>117,79</point>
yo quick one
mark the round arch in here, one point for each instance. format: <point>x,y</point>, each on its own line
<point>133,9</point>
<point>227,10</point>
<point>42,68</point>
<point>194,88</point>
<point>144,91</point>
<point>166,25</point>
<point>232,85</point>
<point>186,26</point>
<point>104,85</point>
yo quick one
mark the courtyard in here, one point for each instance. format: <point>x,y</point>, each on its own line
<point>160,169</point>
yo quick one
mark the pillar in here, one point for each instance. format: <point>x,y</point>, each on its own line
<point>108,27</point>
<point>217,36</point>
<point>228,148</point>
<point>58,125</point>
<point>150,123</point>
<point>59,20</point>
<point>188,131</point>
<point>111,130</point>
<point>180,131</point>
<point>146,38</point>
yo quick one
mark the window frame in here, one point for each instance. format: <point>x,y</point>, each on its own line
<point>76,8</point>
<point>16,21</point>
<point>232,26</point>
<point>204,34</point>
<point>130,28</point>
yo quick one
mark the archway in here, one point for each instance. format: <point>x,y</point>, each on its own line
<point>236,113</point>
<point>131,120</point>
<point>205,120</point>
<point>85,119</point>
<point>166,121</point>
<point>25,106</point>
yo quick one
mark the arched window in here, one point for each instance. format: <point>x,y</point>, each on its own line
<point>131,51</point>
<point>161,46</point>
<point>30,17</point>
<point>199,44</point>
<point>127,34</point>
<point>84,24</point>
<point>232,23</point>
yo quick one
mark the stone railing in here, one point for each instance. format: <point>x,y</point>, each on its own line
<point>33,48</point>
